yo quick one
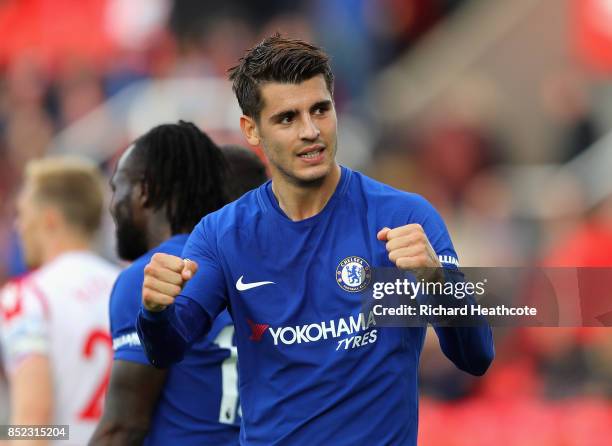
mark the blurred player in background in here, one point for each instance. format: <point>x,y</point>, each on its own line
<point>163,185</point>
<point>290,259</point>
<point>55,338</point>
<point>247,171</point>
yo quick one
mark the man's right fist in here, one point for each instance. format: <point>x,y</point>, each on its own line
<point>164,278</point>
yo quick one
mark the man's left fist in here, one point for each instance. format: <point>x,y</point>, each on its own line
<point>409,249</point>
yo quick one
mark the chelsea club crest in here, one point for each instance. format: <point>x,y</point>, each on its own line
<point>353,274</point>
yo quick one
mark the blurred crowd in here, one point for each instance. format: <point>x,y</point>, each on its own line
<point>547,385</point>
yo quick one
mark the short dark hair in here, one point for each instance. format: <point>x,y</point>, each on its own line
<point>184,170</point>
<point>276,59</point>
<point>246,170</point>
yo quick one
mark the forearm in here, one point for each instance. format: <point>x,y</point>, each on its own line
<point>126,418</point>
<point>470,348</point>
<point>166,335</point>
<point>133,393</point>
<point>116,432</point>
<point>466,340</point>
<point>31,387</point>
<point>28,410</point>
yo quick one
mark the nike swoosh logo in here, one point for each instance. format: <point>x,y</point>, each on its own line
<point>241,286</point>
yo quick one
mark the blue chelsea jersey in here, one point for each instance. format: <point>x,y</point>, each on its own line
<point>314,367</point>
<point>199,402</point>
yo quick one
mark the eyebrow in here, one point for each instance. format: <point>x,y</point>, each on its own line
<point>322,104</point>
<point>277,117</point>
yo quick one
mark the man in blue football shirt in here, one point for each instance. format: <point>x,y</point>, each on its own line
<point>164,183</point>
<point>289,260</point>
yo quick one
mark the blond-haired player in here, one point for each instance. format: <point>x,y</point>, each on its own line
<point>54,326</point>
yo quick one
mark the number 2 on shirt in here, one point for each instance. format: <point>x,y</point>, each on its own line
<point>93,409</point>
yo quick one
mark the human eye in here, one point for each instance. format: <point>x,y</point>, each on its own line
<point>321,109</point>
<point>287,119</point>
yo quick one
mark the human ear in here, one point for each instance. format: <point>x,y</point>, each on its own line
<point>249,130</point>
<point>51,218</point>
<point>142,195</point>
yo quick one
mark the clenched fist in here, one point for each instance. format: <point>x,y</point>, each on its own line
<point>409,249</point>
<point>164,278</point>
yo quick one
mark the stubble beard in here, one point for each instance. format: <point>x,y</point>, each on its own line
<point>306,183</point>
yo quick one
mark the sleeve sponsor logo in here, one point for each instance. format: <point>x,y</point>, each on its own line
<point>449,260</point>
<point>126,340</point>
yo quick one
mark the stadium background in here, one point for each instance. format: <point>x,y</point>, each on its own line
<point>498,112</point>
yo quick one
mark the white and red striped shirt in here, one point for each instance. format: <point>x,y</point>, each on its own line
<point>61,311</point>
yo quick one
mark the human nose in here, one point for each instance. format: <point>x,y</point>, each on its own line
<point>309,130</point>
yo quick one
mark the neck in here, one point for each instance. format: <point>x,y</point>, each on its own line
<point>68,243</point>
<point>300,202</point>
<point>158,229</point>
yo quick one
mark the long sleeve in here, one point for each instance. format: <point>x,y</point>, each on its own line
<point>166,335</point>
<point>467,340</point>
<point>469,347</point>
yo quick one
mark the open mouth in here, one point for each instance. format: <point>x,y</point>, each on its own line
<point>313,153</point>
